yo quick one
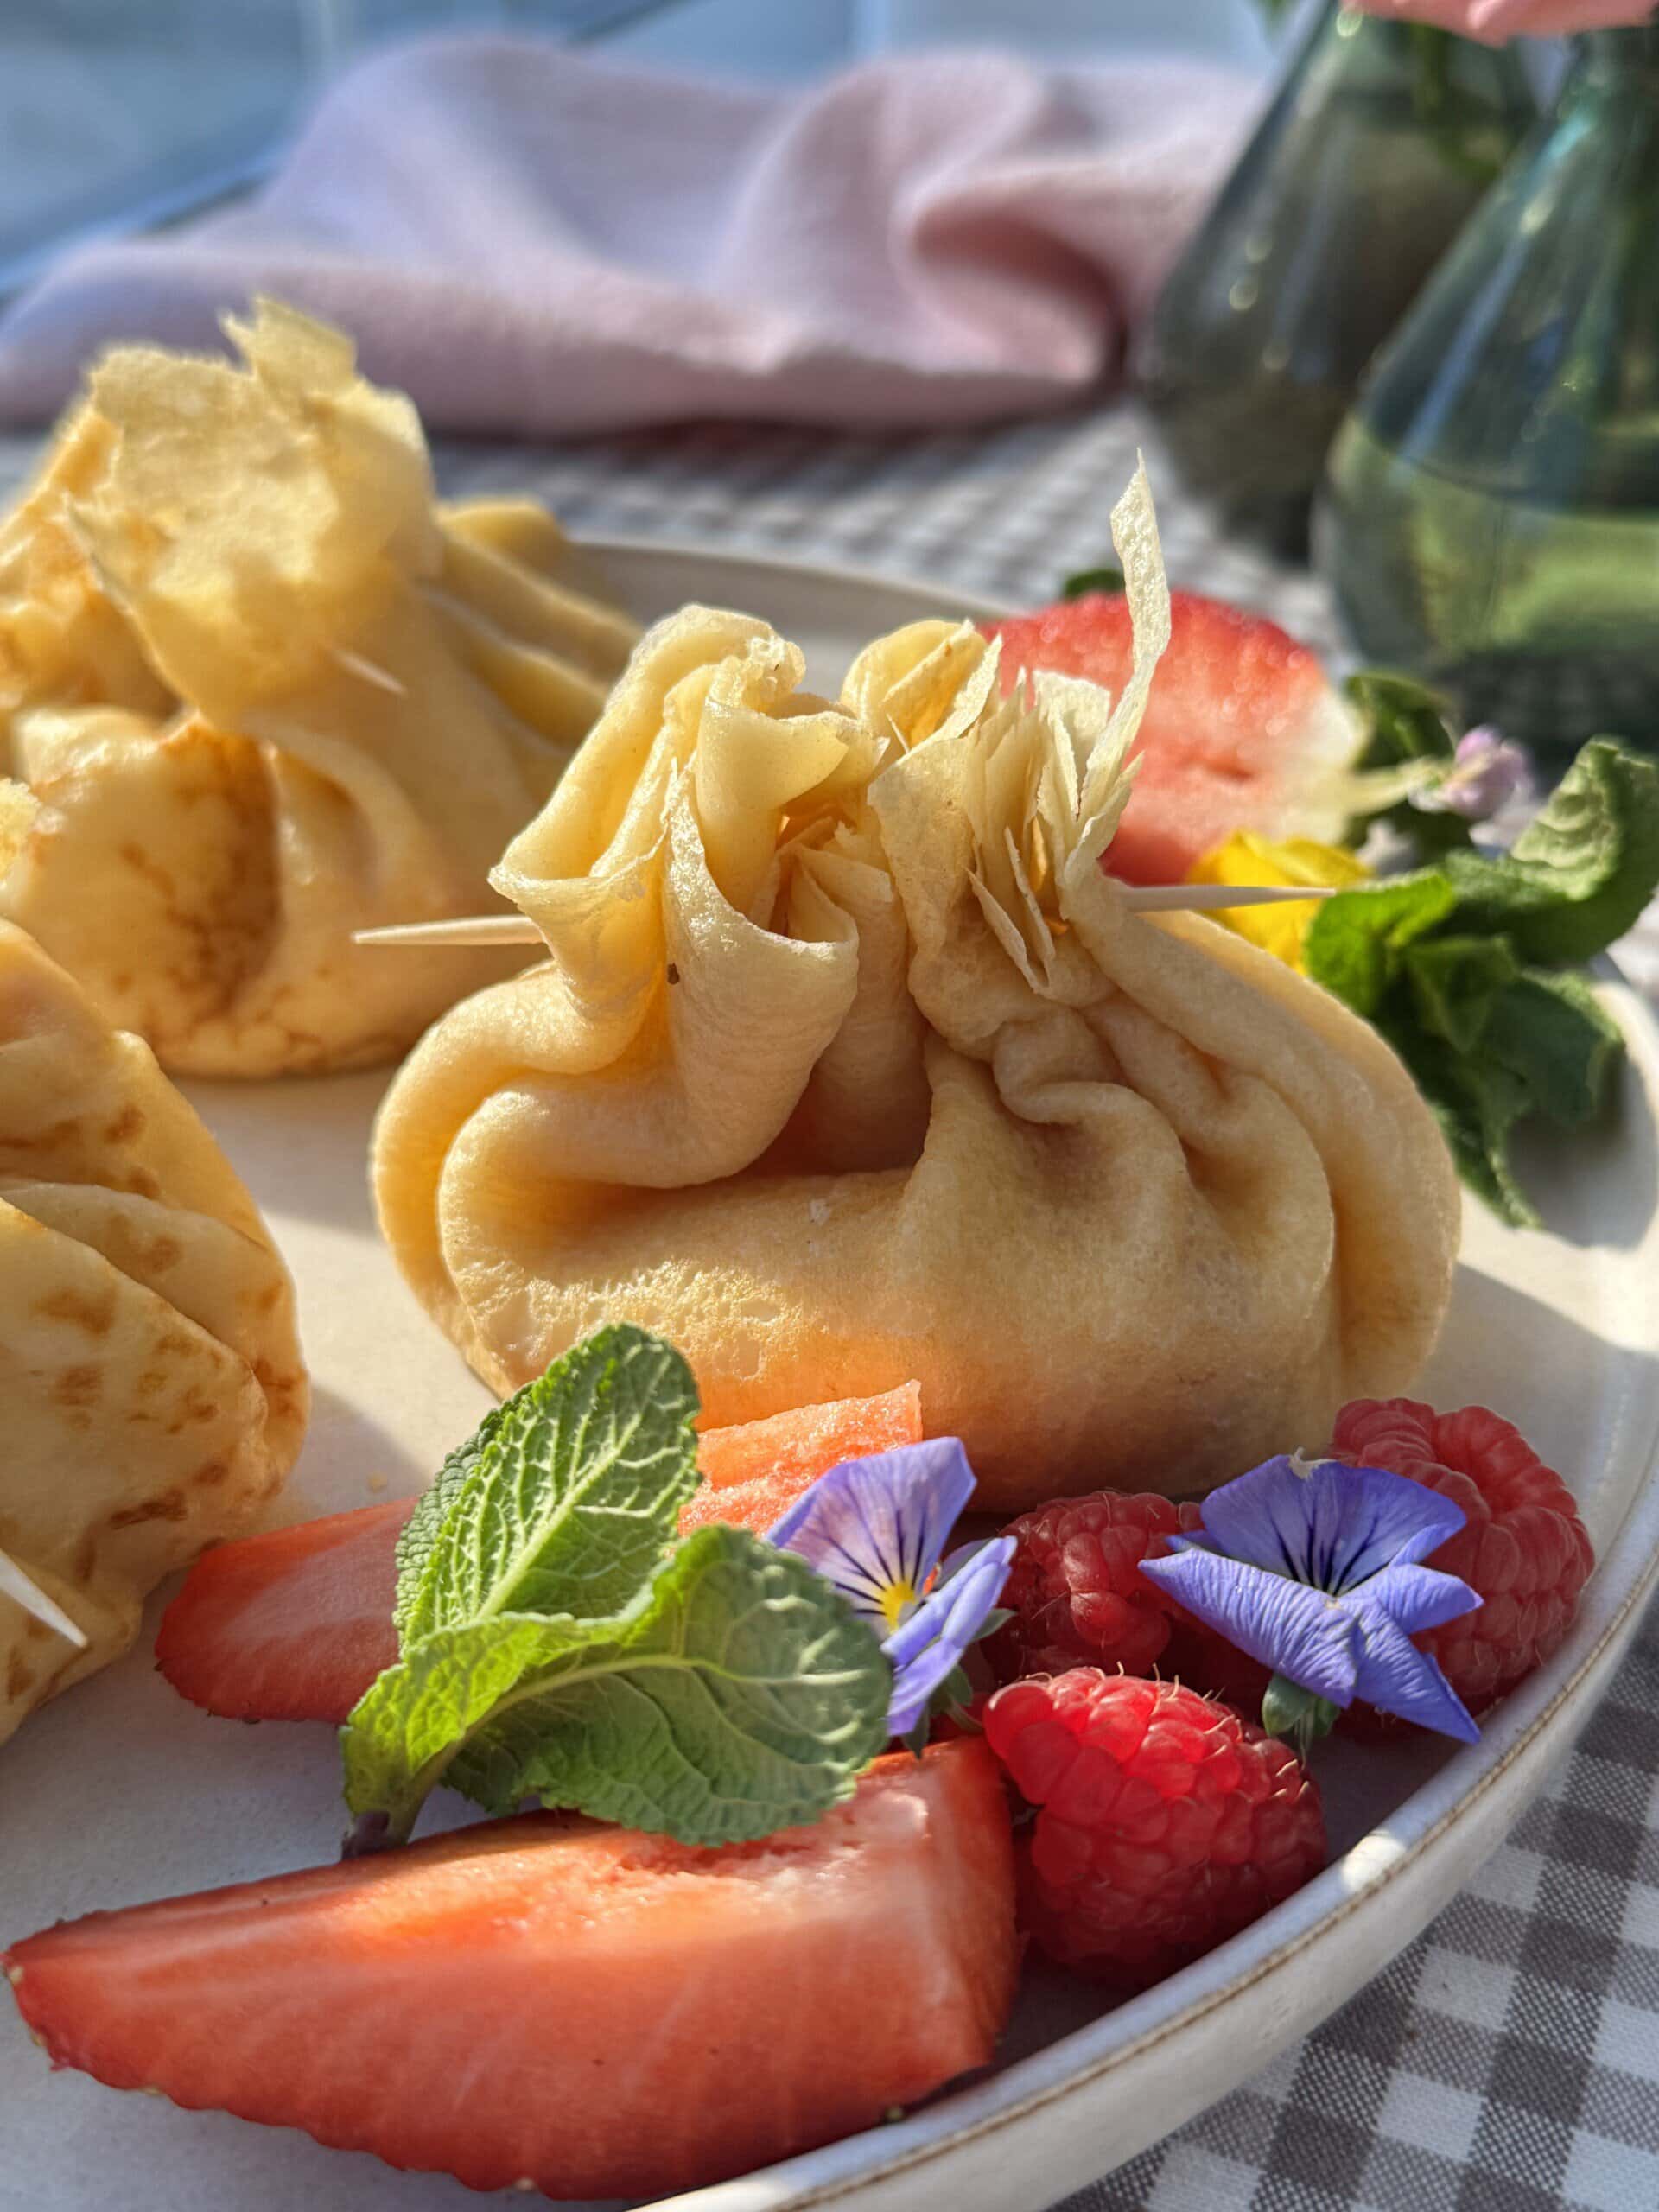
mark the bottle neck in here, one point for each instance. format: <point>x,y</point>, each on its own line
<point>1388,54</point>
<point>1385,40</point>
<point>1604,57</point>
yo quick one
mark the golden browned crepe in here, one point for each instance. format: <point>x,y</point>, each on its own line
<point>153,1390</point>
<point>268,694</point>
<point>848,1065</point>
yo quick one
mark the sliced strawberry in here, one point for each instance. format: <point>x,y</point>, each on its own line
<point>296,1623</point>
<point>1242,729</point>
<point>592,2012</point>
<point>292,1625</point>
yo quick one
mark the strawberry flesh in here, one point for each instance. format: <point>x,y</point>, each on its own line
<point>291,1624</point>
<point>597,2012</point>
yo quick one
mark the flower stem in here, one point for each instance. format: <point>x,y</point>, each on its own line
<point>368,1832</point>
<point>1290,1710</point>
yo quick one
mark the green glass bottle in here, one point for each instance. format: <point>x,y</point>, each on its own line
<point>1490,519</point>
<point>1380,140</point>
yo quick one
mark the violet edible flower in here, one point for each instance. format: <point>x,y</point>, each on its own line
<point>1486,773</point>
<point>876,1528</point>
<point>1314,1568</point>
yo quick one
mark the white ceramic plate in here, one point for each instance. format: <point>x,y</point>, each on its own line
<point>121,1791</point>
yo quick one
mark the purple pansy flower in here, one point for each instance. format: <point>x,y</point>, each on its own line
<point>1486,773</point>
<point>1315,1569</point>
<point>876,1528</point>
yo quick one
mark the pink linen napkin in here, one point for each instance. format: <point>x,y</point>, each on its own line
<point>531,242</point>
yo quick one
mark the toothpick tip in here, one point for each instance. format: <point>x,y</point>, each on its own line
<point>24,1591</point>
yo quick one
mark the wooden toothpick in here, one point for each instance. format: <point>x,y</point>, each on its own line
<point>1214,898</point>
<point>1140,898</point>
<point>15,1584</point>
<point>470,929</point>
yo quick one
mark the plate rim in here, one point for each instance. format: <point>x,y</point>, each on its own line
<point>977,606</point>
<point>1625,1578</point>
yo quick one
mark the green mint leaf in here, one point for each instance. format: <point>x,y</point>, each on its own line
<point>1404,721</point>
<point>567,1499</point>
<point>1476,1103</point>
<point>420,1531</point>
<point>747,1697</point>
<point>567,1496</point>
<point>1454,982</point>
<point>738,1695</point>
<point>1552,1033</point>
<point>1356,940</point>
<point>1087,580</point>
<point>407,1727</point>
<point>1440,961</point>
<point>1479,1114</point>
<point>1581,871</point>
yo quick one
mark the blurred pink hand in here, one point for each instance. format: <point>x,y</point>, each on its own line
<point>1495,21</point>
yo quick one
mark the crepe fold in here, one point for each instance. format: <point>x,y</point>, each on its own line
<point>267,693</point>
<point>848,1063</point>
<point>153,1392</point>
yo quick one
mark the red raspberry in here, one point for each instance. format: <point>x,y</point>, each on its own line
<point>1167,1822</point>
<point>1076,1589</point>
<point>1524,1548</point>
<point>1078,1596</point>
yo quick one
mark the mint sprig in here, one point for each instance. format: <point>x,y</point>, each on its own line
<point>1581,871</point>
<point>1404,722</point>
<point>738,1695</point>
<point>566,1498</point>
<point>556,1644</point>
<point>1458,965</point>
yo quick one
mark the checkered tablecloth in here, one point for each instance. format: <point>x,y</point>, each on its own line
<point>1508,2061</point>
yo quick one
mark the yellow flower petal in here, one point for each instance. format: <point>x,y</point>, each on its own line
<point>1247,857</point>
